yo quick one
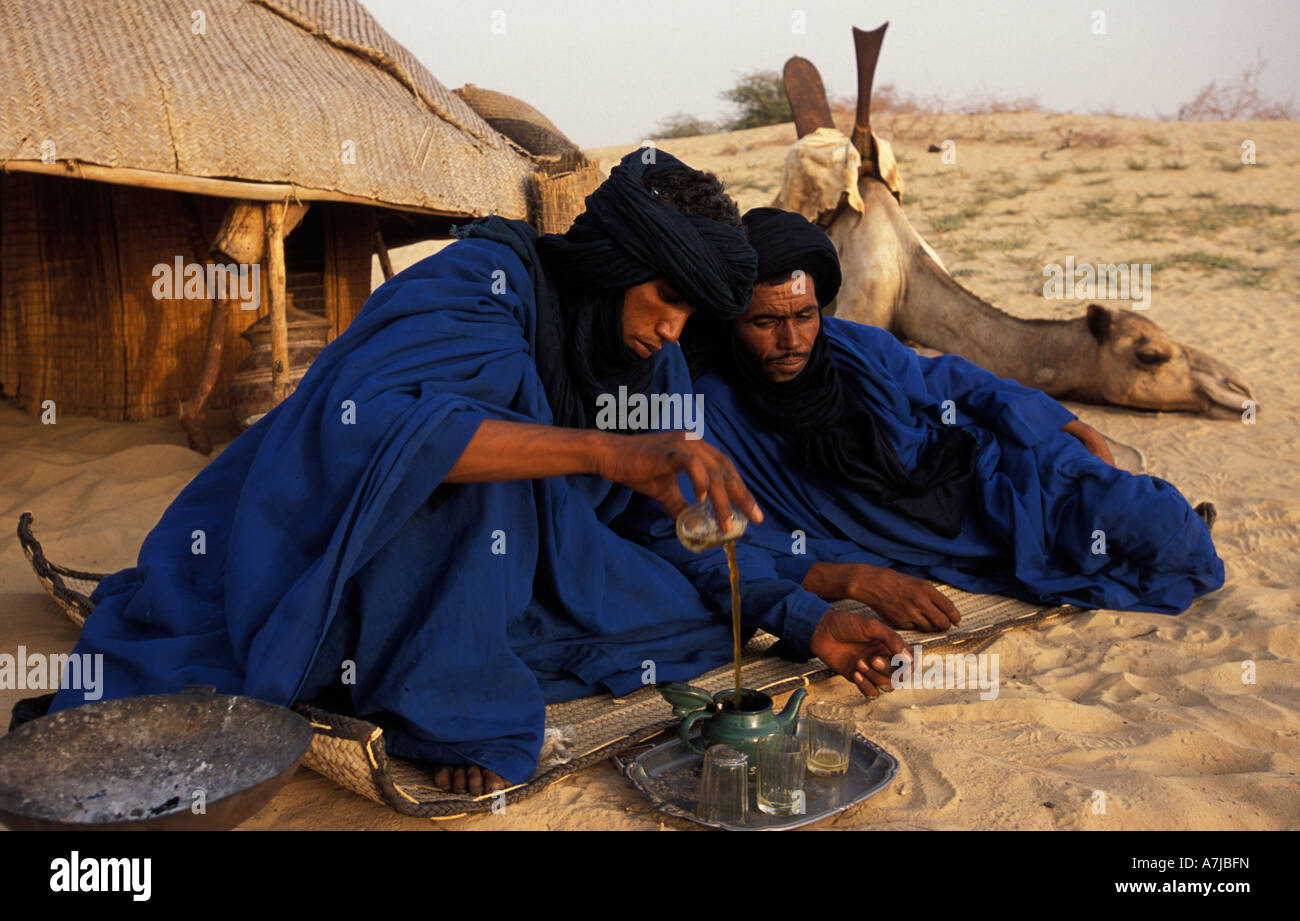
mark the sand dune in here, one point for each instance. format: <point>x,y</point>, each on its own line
<point>1152,715</point>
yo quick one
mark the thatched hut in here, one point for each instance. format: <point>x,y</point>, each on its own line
<point>132,146</point>
<point>564,175</point>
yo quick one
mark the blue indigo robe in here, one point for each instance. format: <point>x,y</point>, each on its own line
<point>322,542</point>
<point>1048,522</point>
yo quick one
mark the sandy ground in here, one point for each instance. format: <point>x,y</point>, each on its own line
<point>1151,711</point>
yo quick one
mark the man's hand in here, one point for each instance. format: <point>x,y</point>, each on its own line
<point>902,601</point>
<point>650,464</point>
<point>502,450</point>
<point>859,648</point>
<point>1092,439</point>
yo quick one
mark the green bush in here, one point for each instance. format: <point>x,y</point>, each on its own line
<point>759,98</point>
<point>682,125</point>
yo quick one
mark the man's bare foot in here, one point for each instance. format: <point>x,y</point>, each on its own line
<point>468,778</point>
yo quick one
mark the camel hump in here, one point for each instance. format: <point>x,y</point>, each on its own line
<point>821,169</point>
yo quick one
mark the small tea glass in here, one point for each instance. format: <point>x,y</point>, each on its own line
<point>724,786</point>
<point>780,775</point>
<point>698,527</point>
<point>830,736</point>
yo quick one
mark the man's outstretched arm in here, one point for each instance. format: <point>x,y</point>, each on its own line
<point>649,464</point>
<point>903,601</point>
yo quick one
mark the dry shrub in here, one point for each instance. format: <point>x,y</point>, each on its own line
<point>1239,101</point>
<point>887,99</point>
<point>992,105</point>
<point>1071,136</point>
<point>904,116</point>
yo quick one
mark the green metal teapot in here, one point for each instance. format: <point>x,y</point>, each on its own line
<point>724,720</point>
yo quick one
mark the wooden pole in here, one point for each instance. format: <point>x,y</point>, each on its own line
<point>219,188</point>
<point>192,413</point>
<point>275,279</point>
<point>381,249</point>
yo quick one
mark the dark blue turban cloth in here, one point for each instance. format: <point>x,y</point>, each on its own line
<point>321,551</point>
<point>626,236</point>
<point>785,241</point>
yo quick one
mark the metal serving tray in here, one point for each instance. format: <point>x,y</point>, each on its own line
<point>669,776</point>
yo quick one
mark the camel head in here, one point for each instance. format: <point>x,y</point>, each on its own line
<point>1137,364</point>
<point>894,279</point>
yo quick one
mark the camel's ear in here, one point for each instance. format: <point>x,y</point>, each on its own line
<point>1098,322</point>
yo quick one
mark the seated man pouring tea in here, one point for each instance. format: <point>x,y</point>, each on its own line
<point>432,526</point>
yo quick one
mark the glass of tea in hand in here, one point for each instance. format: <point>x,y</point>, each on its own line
<point>698,527</point>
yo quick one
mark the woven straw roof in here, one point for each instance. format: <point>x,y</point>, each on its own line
<point>269,93</point>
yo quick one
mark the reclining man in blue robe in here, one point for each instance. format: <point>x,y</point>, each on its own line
<point>877,469</point>
<point>432,526</point>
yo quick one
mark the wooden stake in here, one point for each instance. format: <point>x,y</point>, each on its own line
<point>192,413</point>
<point>275,278</point>
<point>381,248</point>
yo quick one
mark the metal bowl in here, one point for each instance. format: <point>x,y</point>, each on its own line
<point>190,760</point>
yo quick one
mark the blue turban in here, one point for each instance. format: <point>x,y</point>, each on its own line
<point>628,236</point>
<point>625,237</point>
<point>785,241</point>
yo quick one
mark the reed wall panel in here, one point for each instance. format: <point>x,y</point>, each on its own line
<point>79,323</point>
<point>348,243</point>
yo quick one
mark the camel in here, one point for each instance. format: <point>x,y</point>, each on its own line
<point>895,280</point>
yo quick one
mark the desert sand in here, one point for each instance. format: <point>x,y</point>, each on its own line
<point>1150,710</point>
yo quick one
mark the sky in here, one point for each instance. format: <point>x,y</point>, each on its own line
<point>608,72</point>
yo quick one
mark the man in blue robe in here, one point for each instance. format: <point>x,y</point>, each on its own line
<point>877,468</point>
<point>430,525</point>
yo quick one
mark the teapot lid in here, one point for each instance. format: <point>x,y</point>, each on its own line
<point>684,696</point>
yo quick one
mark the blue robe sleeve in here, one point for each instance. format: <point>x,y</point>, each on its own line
<point>1020,413</point>
<point>794,566</point>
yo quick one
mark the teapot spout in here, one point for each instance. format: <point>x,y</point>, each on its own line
<point>789,717</point>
